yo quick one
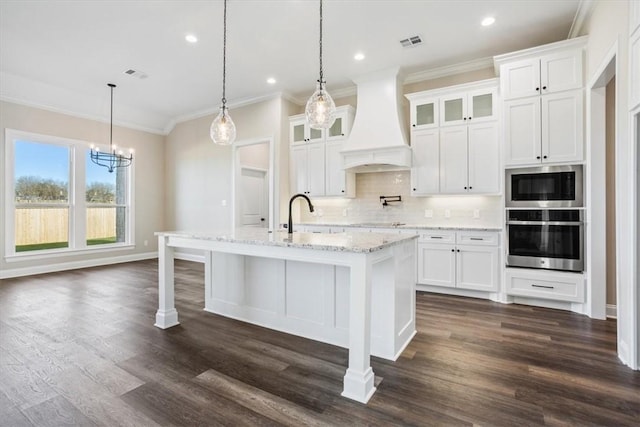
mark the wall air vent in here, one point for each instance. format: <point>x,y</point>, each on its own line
<point>411,41</point>
<point>135,73</point>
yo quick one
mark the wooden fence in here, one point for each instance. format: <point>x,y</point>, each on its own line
<point>48,225</point>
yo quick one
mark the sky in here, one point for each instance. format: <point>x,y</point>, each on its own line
<point>52,162</point>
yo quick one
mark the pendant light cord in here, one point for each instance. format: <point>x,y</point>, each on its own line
<point>224,58</point>
<point>321,81</point>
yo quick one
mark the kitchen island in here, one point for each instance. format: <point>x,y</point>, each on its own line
<point>355,290</point>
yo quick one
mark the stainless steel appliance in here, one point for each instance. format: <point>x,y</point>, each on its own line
<point>544,187</point>
<point>546,238</point>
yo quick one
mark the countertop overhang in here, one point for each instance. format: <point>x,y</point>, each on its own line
<point>359,242</point>
<point>397,225</point>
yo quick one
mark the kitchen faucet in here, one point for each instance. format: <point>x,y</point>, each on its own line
<point>290,225</point>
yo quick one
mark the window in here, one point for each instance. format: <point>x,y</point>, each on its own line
<point>59,201</point>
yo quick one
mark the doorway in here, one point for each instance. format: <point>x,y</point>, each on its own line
<point>253,183</point>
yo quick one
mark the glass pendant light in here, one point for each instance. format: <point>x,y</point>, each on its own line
<point>320,109</point>
<point>223,130</point>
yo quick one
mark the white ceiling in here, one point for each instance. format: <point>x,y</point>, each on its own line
<point>61,54</point>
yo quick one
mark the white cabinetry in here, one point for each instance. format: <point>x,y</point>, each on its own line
<point>464,107</point>
<point>634,66</point>
<point>316,165</point>
<point>634,17</point>
<point>543,107</point>
<point>456,159</point>
<point>544,129</point>
<point>470,159</point>
<point>555,72</point>
<point>424,113</point>
<point>553,285</point>
<point>308,175</point>
<point>459,259</point>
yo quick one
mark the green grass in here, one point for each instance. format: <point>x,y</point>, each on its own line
<point>41,246</point>
<point>103,241</point>
<point>58,245</point>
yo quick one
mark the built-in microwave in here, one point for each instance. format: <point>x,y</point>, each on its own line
<point>544,187</point>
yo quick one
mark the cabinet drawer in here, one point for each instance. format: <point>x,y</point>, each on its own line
<point>555,286</point>
<point>437,236</point>
<point>481,238</point>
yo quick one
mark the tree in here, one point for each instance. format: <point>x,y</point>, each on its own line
<point>100,192</point>
<point>30,189</point>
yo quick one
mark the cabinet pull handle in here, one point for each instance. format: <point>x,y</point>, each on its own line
<point>470,188</point>
<point>544,157</point>
<point>469,118</point>
<point>458,250</point>
<point>465,188</point>
<point>464,118</point>
<point>544,87</point>
<point>342,191</point>
<point>476,238</point>
<point>435,237</point>
<point>538,157</point>
<point>538,89</point>
<point>541,286</point>
<point>342,134</point>
<point>452,250</point>
<point>414,125</point>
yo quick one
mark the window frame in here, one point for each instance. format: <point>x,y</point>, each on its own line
<point>77,242</point>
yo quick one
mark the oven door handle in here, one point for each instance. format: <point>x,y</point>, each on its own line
<point>545,223</point>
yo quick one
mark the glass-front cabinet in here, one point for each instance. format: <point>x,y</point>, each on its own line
<point>424,113</point>
<point>300,132</point>
<point>342,125</point>
<point>468,107</point>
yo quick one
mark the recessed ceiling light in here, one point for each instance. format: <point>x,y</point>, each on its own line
<point>271,81</point>
<point>358,56</point>
<point>489,20</point>
<point>191,38</point>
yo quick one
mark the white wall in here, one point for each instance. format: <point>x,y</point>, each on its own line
<point>607,25</point>
<point>148,180</point>
<point>198,172</point>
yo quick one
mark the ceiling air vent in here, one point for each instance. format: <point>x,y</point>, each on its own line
<point>135,73</point>
<point>411,41</point>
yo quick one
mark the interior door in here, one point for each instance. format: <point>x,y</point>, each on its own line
<point>253,198</point>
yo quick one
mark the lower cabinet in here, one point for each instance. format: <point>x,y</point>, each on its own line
<point>459,259</point>
<point>553,285</point>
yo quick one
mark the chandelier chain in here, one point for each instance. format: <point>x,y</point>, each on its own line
<point>321,81</point>
<point>224,57</point>
<point>111,124</point>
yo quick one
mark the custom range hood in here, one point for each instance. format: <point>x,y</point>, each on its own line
<point>377,141</point>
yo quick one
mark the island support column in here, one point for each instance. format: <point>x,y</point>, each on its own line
<point>166,316</point>
<point>359,379</point>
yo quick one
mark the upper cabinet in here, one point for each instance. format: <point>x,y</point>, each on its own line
<point>555,72</point>
<point>449,159</point>
<point>316,164</point>
<point>424,113</point>
<point>543,109</point>
<point>468,107</point>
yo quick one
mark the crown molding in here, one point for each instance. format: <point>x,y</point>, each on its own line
<point>448,70</point>
<point>584,11</point>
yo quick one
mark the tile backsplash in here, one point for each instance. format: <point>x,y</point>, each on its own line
<point>366,206</point>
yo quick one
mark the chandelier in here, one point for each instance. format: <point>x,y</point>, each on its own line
<point>114,158</point>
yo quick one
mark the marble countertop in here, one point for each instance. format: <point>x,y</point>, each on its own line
<point>344,242</point>
<point>397,225</point>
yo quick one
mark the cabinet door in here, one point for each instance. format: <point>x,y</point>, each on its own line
<point>562,127</point>
<point>316,168</point>
<point>436,265</point>
<point>477,268</point>
<point>424,114</point>
<point>297,131</point>
<point>520,79</point>
<point>522,129</point>
<point>299,156</point>
<point>335,175</point>
<point>634,19</point>
<point>314,135</point>
<point>561,71</point>
<point>340,128</point>
<point>453,109</point>
<point>484,158</point>
<point>425,170</point>
<point>453,160</point>
<point>481,105</point>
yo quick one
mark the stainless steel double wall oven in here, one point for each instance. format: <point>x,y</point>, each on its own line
<point>545,219</point>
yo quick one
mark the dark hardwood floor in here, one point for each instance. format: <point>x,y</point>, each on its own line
<point>79,348</point>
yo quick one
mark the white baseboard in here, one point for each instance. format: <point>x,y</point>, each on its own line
<point>612,311</point>
<point>189,257</point>
<point>72,265</point>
